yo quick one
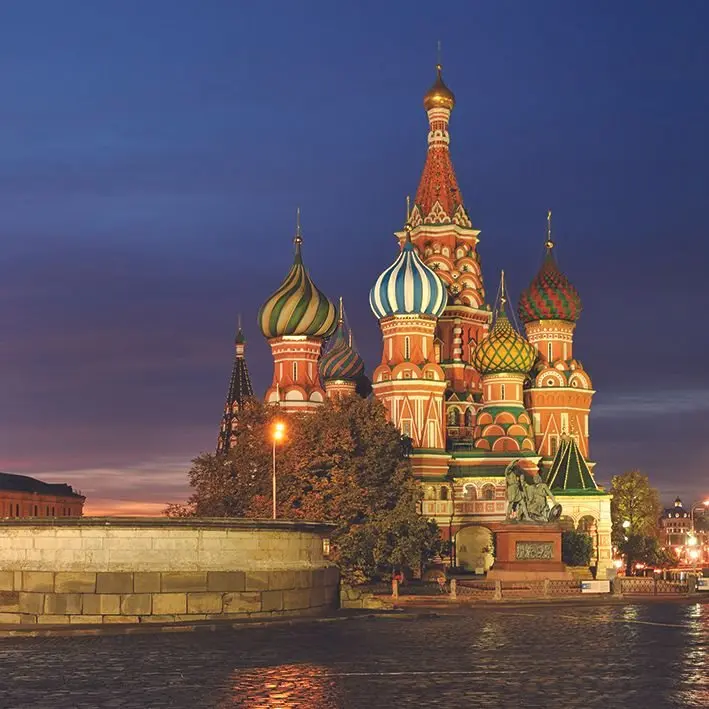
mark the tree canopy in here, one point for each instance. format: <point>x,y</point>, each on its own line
<point>343,463</point>
<point>576,548</point>
<point>638,548</point>
<point>636,502</point>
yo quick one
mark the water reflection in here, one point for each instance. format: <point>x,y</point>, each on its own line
<point>694,679</point>
<point>284,687</point>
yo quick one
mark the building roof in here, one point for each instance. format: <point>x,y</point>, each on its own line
<point>24,483</point>
<point>341,361</point>
<point>569,471</point>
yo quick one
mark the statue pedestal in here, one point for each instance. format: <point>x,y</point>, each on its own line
<point>528,552</point>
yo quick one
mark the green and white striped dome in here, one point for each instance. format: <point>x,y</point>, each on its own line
<point>297,307</point>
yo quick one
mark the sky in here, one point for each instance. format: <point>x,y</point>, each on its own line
<point>152,155</point>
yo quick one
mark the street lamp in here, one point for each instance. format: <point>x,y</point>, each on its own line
<point>278,434</point>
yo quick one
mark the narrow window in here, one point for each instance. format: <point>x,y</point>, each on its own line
<point>502,391</point>
<point>407,348</point>
<point>444,493</point>
<point>431,434</point>
<point>549,351</point>
<point>35,510</point>
<point>295,371</point>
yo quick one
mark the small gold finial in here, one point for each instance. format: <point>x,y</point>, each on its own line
<point>298,236</point>
<point>341,319</point>
<point>503,297</point>
<point>549,243</point>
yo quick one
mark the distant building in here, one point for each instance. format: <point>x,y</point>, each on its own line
<point>675,525</point>
<point>22,496</point>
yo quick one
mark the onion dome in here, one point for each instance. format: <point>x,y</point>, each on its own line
<point>439,95</point>
<point>297,307</point>
<point>408,287</point>
<point>341,361</point>
<point>504,350</point>
<point>550,295</point>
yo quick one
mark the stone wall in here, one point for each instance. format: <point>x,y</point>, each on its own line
<point>123,570</point>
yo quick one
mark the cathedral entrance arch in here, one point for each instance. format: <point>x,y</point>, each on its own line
<point>473,548</point>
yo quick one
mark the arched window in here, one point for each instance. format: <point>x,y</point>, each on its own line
<point>407,347</point>
<point>437,351</point>
<point>488,492</point>
<point>444,493</point>
<point>452,417</point>
<point>468,417</point>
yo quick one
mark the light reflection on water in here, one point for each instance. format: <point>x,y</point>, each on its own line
<point>284,687</point>
<point>694,679</point>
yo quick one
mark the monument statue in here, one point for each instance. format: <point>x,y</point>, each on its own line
<point>529,502</point>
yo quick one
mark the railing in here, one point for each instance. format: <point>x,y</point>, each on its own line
<point>631,585</point>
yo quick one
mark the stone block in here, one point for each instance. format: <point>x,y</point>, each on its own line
<point>187,581</point>
<point>75,582</point>
<point>100,604</point>
<point>40,581</point>
<point>257,581</point>
<point>114,582</point>
<point>204,602</point>
<point>169,603</point>
<point>303,579</point>
<point>332,575</point>
<point>28,619</point>
<point>53,619</point>
<point>31,602</point>
<point>62,604</point>
<point>282,580</point>
<point>10,618</point>
<point>121,619</point>
<point>86,619</point>
<point>9,601</point>
<point>146,582</point>
<point>244,602</point>
<point>272,600</point>
<point>18,580</point>
<point>7,581</point>
<point>157,618</point>
<point>317,596</point>
<point>226,581</point>
<point>318,577</point>
<point>191,616</point>
<point>297,598</point>
<point>136,604</point>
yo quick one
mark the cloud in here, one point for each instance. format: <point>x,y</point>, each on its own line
<point>656,403</point>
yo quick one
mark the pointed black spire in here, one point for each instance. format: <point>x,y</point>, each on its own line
<point>240,390</point>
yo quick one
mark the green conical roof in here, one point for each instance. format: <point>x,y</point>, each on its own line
<point>570,471</point>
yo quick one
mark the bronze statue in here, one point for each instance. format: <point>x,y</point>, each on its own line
<point>529,502</point>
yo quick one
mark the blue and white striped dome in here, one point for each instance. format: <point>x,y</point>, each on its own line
<point>408,287</point>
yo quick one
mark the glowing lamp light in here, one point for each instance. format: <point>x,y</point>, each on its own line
<point>279,431</point>
<point>618,563</point>
<point>626,524</point>
<point>691,541</point>
<point>693,554</point>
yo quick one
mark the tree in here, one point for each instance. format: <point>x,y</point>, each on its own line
<point>576,548</point>
<point>638,548</point>
<point>636,503</point>
<point>344,464</point>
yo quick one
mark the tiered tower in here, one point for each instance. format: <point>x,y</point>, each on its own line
<point>407,299</point>
<point>560,391</point>
<point>504,359</point>
<point>240,390</point>
<point>446,240</point>
<point>341,366</point>
<point>295,320</point>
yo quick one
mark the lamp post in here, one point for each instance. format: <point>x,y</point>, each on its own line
<point>279,431</point>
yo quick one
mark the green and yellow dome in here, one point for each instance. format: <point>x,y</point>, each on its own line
<point>504,350</point>
<point>297,307</point>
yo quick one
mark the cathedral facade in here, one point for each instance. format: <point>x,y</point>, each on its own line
<point>469,390</point>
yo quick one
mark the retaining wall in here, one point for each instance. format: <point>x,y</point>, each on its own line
<point>130,570</point>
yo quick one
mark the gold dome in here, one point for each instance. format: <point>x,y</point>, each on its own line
<point>439,95</point>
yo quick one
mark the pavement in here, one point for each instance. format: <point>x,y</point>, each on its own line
<point>545,655</point>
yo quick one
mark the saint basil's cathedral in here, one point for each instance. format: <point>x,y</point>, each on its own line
<point>456,377</point>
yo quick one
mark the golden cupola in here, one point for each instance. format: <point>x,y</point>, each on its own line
<point>439,95</point>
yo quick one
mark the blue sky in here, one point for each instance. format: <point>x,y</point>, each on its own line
<point>153,155</point>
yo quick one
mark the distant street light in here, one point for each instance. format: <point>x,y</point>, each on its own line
<point>278,434</point>
<point>626,523</point>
